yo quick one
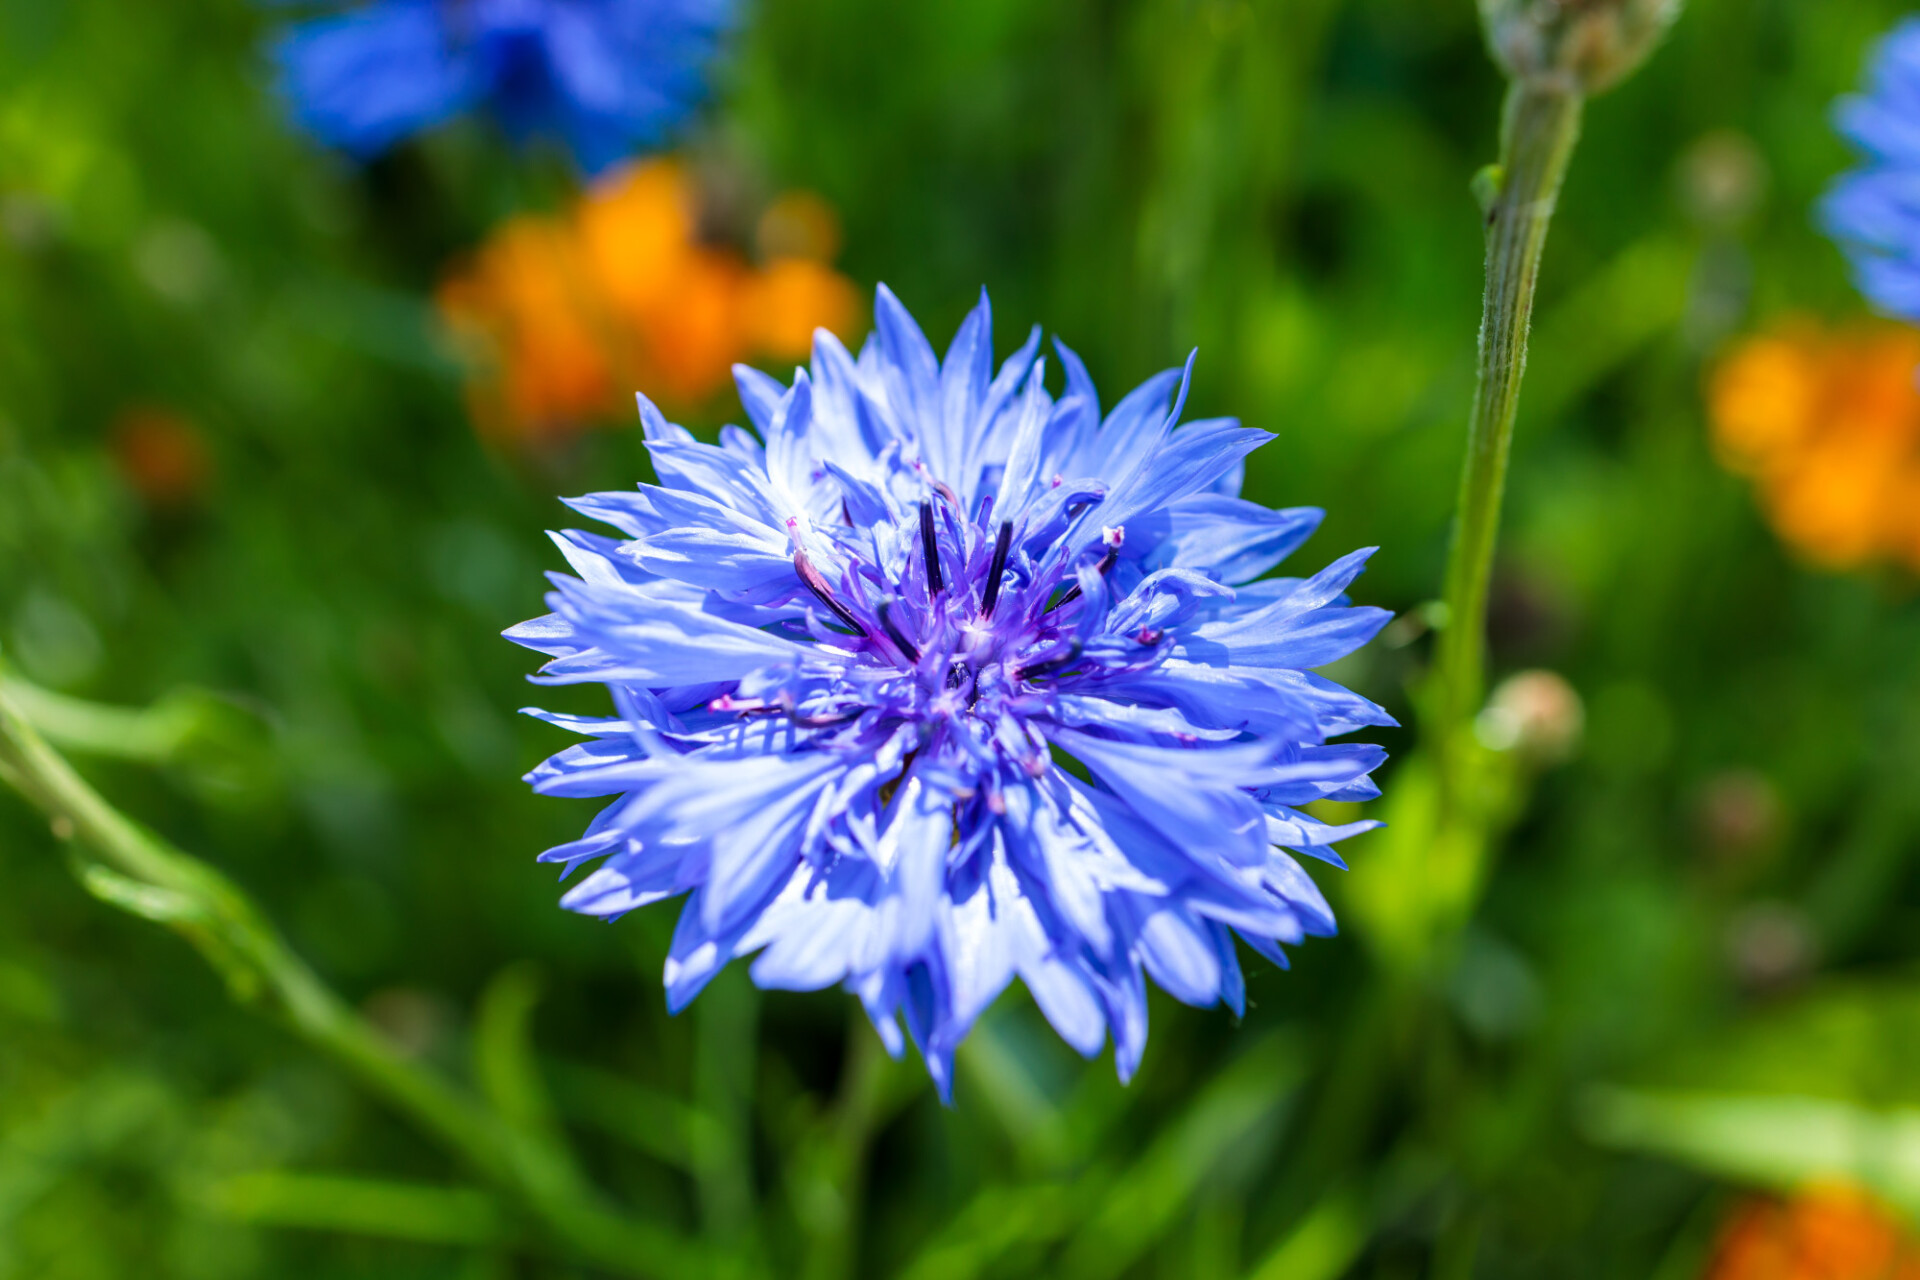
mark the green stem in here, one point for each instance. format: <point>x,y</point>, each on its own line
<point>141,873</point>
<point>727,1034</point>
<point>153,734</point>
<point>1538,132</point>
<point>832,1185</point>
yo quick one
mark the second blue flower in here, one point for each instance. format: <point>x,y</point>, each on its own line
<point>604,76</point>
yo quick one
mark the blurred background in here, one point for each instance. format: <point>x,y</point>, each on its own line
<point>280,433</point>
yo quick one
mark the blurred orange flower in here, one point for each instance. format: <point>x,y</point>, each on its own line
<point>1828,425</point>
<point>561,319</point>
<point>1824,1233</point>
<point>161,455</point>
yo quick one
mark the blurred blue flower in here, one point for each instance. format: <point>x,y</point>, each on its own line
<point>1874,211</point>
<point>938,681</point>
<point>605,76</point>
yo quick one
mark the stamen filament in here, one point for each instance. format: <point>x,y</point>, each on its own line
<point>905,645</point>
<point>818,585</point>
<point>1067,659</point>
<point>1072,593</point>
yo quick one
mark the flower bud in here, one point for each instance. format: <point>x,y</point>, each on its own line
<point>1580,46</point>
<point>1536,713</point>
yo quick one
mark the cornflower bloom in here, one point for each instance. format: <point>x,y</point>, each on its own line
<point>1874,211</point>
<point>604,76</point>
<point>554,312</point>
<point>938,681</point>
<point>1828,426</point>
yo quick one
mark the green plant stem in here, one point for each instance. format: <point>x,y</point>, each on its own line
<point>831,1185</point>
<point>141,873</point>
<point>1538,131</point>
<point>724,1072</point>
<point>153,734</point>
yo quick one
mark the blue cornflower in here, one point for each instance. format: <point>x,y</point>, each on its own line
<point>1874,211</point>
<point>938,681</point>
<point>605,76</point>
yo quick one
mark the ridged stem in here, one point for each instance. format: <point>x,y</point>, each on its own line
<point>134,869</point>
<point>1538,131</point>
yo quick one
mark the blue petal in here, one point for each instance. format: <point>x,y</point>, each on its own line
<point>1232,540</point>
<point>362,81</point>
<point>645,638</point>
<point>964,377</point>
<point>1191,796</point>
<point>759,395</point>
<point>1179,954</point>
<point>1195,457</point>
<point>908,369</point>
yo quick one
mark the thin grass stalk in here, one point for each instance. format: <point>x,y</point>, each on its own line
<point>130,867</point>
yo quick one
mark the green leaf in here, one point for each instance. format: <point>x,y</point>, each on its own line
<point>503,1048</point>
<point>1235,1112</point>
<point>149,902</point>
<point>91,1121</point>
<point>659,1124</point>
<point>361,1206</point>
<point>1778,1141</point>
<point>1323,1245</point>
<point>1855,1041</point>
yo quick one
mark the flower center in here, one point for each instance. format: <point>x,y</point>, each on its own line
<point>962,618</point>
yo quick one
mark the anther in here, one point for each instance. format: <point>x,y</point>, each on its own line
<point>893,633</point>
<point>936,581</point>
<point>818,585</point>
<point>1001,545</point>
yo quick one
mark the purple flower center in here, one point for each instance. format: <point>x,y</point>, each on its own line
<point>964,627</point>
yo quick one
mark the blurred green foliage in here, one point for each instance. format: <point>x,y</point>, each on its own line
<point>1694,960</point>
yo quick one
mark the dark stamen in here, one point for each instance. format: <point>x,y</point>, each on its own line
<point>953,499</point>
<point>893,633</point>
<point>1067,659</point>
<point>818,585</point>
<point>1072,593</point>
<point>936,581</point>
<point>1001,546</point>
